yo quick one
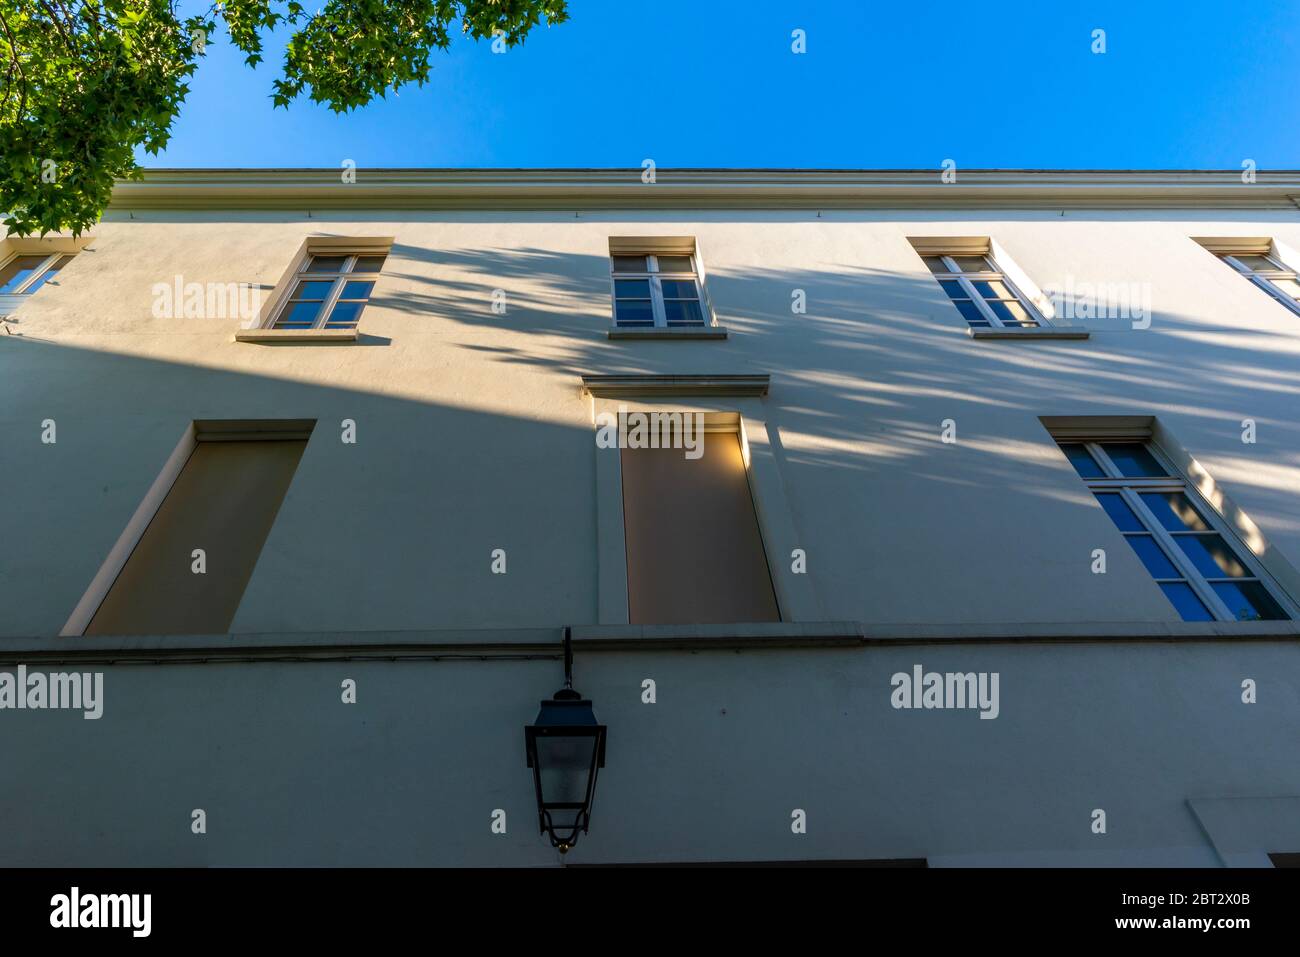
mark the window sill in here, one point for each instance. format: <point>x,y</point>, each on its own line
<point>686,332</point>
<point>642,386</point>
<point>1040,332</point>
<point>296,335</point>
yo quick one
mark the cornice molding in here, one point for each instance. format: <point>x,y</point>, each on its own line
<point>576,189</point>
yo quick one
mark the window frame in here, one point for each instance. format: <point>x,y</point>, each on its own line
<point>37,275</point>
<point>967,279</point>
<point>1263,278</point>
<point>339,281</point>
<point>658,311</point>
<point>1130,490</point>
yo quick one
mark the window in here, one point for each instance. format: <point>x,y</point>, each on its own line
<point>24,274</point>
<point>656,291</point>
<point>1267,272</point>
<point>1203,571</point>
<point>330,291</point>
<point>224,501</point>
<point>981,293</point>
<point>694,550</point>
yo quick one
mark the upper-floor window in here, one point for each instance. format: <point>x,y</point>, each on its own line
<point>330,290</point>
<point>1195,559</point>
<point>1269,273</point>
<point>981,292</point>
<point>656,291</point>
<point>23,274</point>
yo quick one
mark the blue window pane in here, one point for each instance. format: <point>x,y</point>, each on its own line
<point>1119,511</point>
<point>1082,460</point>
<point>1153,556</point>
<point>48,274</point>
<point>1184,599</point>
<point>1012,314</point>
<point>634,312</point>
<point>1133,460</point>
<point>18,272</point>
<point>344,315</point>
<point>41,280</point>
<point>953,289</point>
<point>632,288</point>
<point>970,313</point>
<point>1175,511</point>
<point>1212,556</point>
<point>300,315</point>
<point>679,289</point>
<point>992,289</point>
<point>357,290</point>
<point>683,312</point>
<point>1249,601</point>
<point>312,290</point>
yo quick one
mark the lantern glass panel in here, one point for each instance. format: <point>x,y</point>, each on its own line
<point>565,762</point>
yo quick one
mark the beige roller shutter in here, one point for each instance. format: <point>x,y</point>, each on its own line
<point>224,502</point>
<point>694,552</point>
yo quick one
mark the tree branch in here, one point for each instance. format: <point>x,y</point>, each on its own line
<point>91,17</point>
<point>9,76</point>
<point>13,45</point>
<point>72,23</point>
<point>54,19</point>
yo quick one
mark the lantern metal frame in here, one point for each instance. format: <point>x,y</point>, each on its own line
<point>566,714</point>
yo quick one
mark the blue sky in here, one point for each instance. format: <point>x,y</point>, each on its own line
<point>892,85</point>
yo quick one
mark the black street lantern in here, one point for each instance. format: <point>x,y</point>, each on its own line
<point>566,749</point>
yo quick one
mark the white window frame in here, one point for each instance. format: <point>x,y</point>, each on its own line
<point>657,309</point>
<point>40,271</point>
<point>1129,490</point>
<point>339,279</point>
<point>1263,277</point>
<point>996,274</point>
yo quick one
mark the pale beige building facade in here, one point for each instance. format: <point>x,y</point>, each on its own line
<point>1035,425</point>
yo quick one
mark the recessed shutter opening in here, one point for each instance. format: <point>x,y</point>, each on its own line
<point>223,502</point>
<point>694,551</point>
